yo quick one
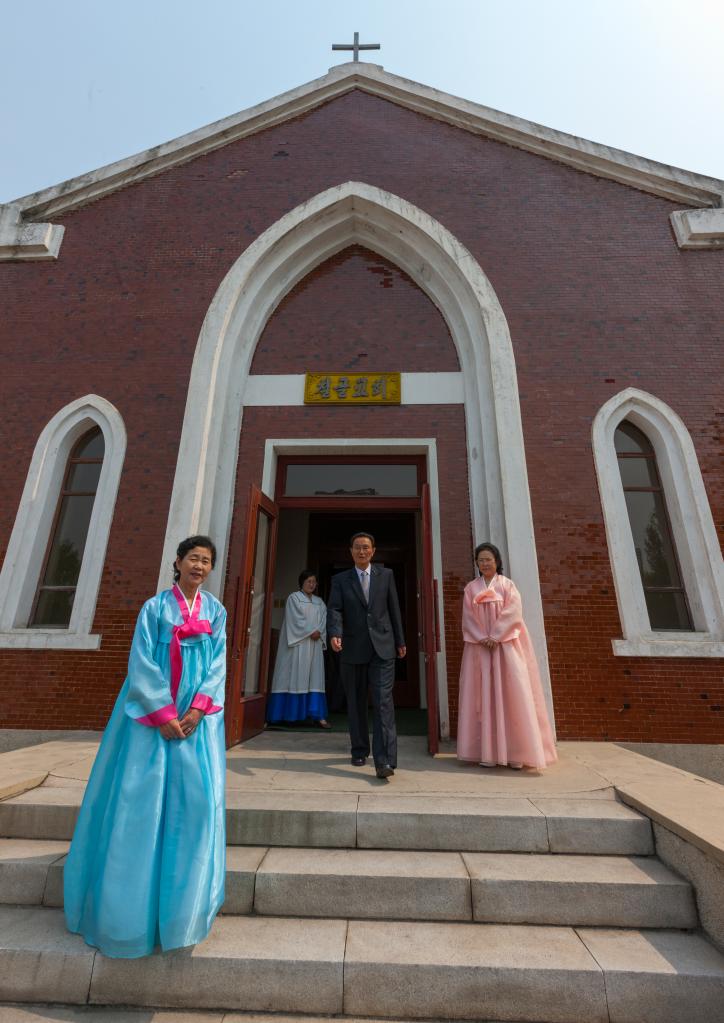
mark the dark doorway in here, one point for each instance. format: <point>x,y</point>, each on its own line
<point>395,538</point>
<point>312,529</point>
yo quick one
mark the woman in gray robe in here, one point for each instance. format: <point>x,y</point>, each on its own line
<point>297,692</point>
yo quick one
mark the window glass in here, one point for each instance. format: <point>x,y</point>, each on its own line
<point>56,593</point>
<point>638,472</point>
<point>252,681</point>
<point>309,480</point>
<point>654,550</point>
<point>667,609</point>
<point>53,608</point>
<point>90,445</point>
<point>66,555</point>
<point>630,439</point>
<point>653,541</point>
<point>83,477</point>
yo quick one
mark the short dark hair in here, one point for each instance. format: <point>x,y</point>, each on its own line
<point>358,536</point>
<point>188,545</point>
<point>494,551</point>
<point>305,574</point>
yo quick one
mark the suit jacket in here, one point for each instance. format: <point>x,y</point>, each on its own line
<point>365,628</point>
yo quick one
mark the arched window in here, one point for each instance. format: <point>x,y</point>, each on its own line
<point>665,556</point>
<point>53,563</point>
<point>653,542</point>
<point>54,599</point>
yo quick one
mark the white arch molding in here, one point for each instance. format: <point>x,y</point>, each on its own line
<point>357,213</point>
<point>29,539</point>
<point>691,523</point>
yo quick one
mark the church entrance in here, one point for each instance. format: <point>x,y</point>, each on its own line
<point>327,552</point>
<point>319,503</point>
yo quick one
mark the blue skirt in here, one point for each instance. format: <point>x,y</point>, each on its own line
<point>296,707</point>
<point>147,863</point>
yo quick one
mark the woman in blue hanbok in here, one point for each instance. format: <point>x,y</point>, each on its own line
<point>147,863</point>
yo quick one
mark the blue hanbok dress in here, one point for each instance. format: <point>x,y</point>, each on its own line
<point>147,863</point>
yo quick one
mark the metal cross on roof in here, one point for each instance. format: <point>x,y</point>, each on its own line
<point>356,46</point>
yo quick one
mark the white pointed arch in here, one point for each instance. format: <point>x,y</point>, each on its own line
<point>260,278</point>
<point>29,539</point>
<point>691,523</point>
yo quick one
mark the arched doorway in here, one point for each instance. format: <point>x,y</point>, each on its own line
<point>350,213</point>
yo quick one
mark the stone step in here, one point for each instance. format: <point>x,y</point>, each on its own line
<point>486,887</point>
<point>105,1014</point>
<point>110,1014</point>
<point>46,812</point>
<point>468,824</point>
<point>460,971</point>
<point>378,969</point>
<point>476,824</point>
<point>534,888</point>
<point>585,891</point>
<point>31,872</point>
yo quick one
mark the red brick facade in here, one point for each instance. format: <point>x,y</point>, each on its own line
<point>597,295</point>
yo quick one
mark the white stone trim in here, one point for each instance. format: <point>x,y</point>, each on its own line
<point>427,446</point>
<point>21,240</point>
<point>270,390</point>
<point>603,161</point>
<point>691,523</point>
<point>48,639</point>
<point>356,213</point>
<point>674,646</point>
<point>699,229</point>
<point>31,532</point>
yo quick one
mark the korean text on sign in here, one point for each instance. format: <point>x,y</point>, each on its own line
<point>352,389</point>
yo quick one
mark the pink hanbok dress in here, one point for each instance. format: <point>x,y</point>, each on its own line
<point>502,717</point>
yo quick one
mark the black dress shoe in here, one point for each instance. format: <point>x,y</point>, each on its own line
<point>384,771</point>
<point>359,761</point>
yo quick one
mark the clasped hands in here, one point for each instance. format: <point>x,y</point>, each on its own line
<point>489,644</point>
<point>175,729</point>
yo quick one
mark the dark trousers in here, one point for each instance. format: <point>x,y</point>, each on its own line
<point>379,676</point>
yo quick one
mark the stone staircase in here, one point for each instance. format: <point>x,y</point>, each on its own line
<point>407,907</point>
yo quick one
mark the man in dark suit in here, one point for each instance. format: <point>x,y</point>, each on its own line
<point>365,625</point>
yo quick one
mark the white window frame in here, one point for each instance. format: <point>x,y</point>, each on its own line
<point>692,527</point>
<point>20,574</point>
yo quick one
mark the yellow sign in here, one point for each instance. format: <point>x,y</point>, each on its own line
<point>352,389</point>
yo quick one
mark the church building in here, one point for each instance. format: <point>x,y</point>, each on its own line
<point>368,305</point>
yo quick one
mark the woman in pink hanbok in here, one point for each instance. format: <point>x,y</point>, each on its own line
<point>502,717</point>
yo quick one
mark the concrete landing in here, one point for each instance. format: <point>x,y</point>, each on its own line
<point>305,764</point>
<point>301,763</point>
<point>320,762</point>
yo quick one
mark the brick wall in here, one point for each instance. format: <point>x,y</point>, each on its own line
<point>597,295</point>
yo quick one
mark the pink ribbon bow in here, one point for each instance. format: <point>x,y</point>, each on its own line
<point>487,596</point>
<point>192,626</point>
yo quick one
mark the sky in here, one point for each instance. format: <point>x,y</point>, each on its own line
<point>86,82</point>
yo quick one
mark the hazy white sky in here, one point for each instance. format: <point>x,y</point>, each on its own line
<point>87,82</point>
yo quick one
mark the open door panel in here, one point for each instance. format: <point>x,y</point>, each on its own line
<point>246,703</point>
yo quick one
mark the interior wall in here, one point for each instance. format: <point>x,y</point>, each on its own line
<point>292,540</point>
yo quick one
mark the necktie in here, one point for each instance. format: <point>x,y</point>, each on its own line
<point>365,581</point>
